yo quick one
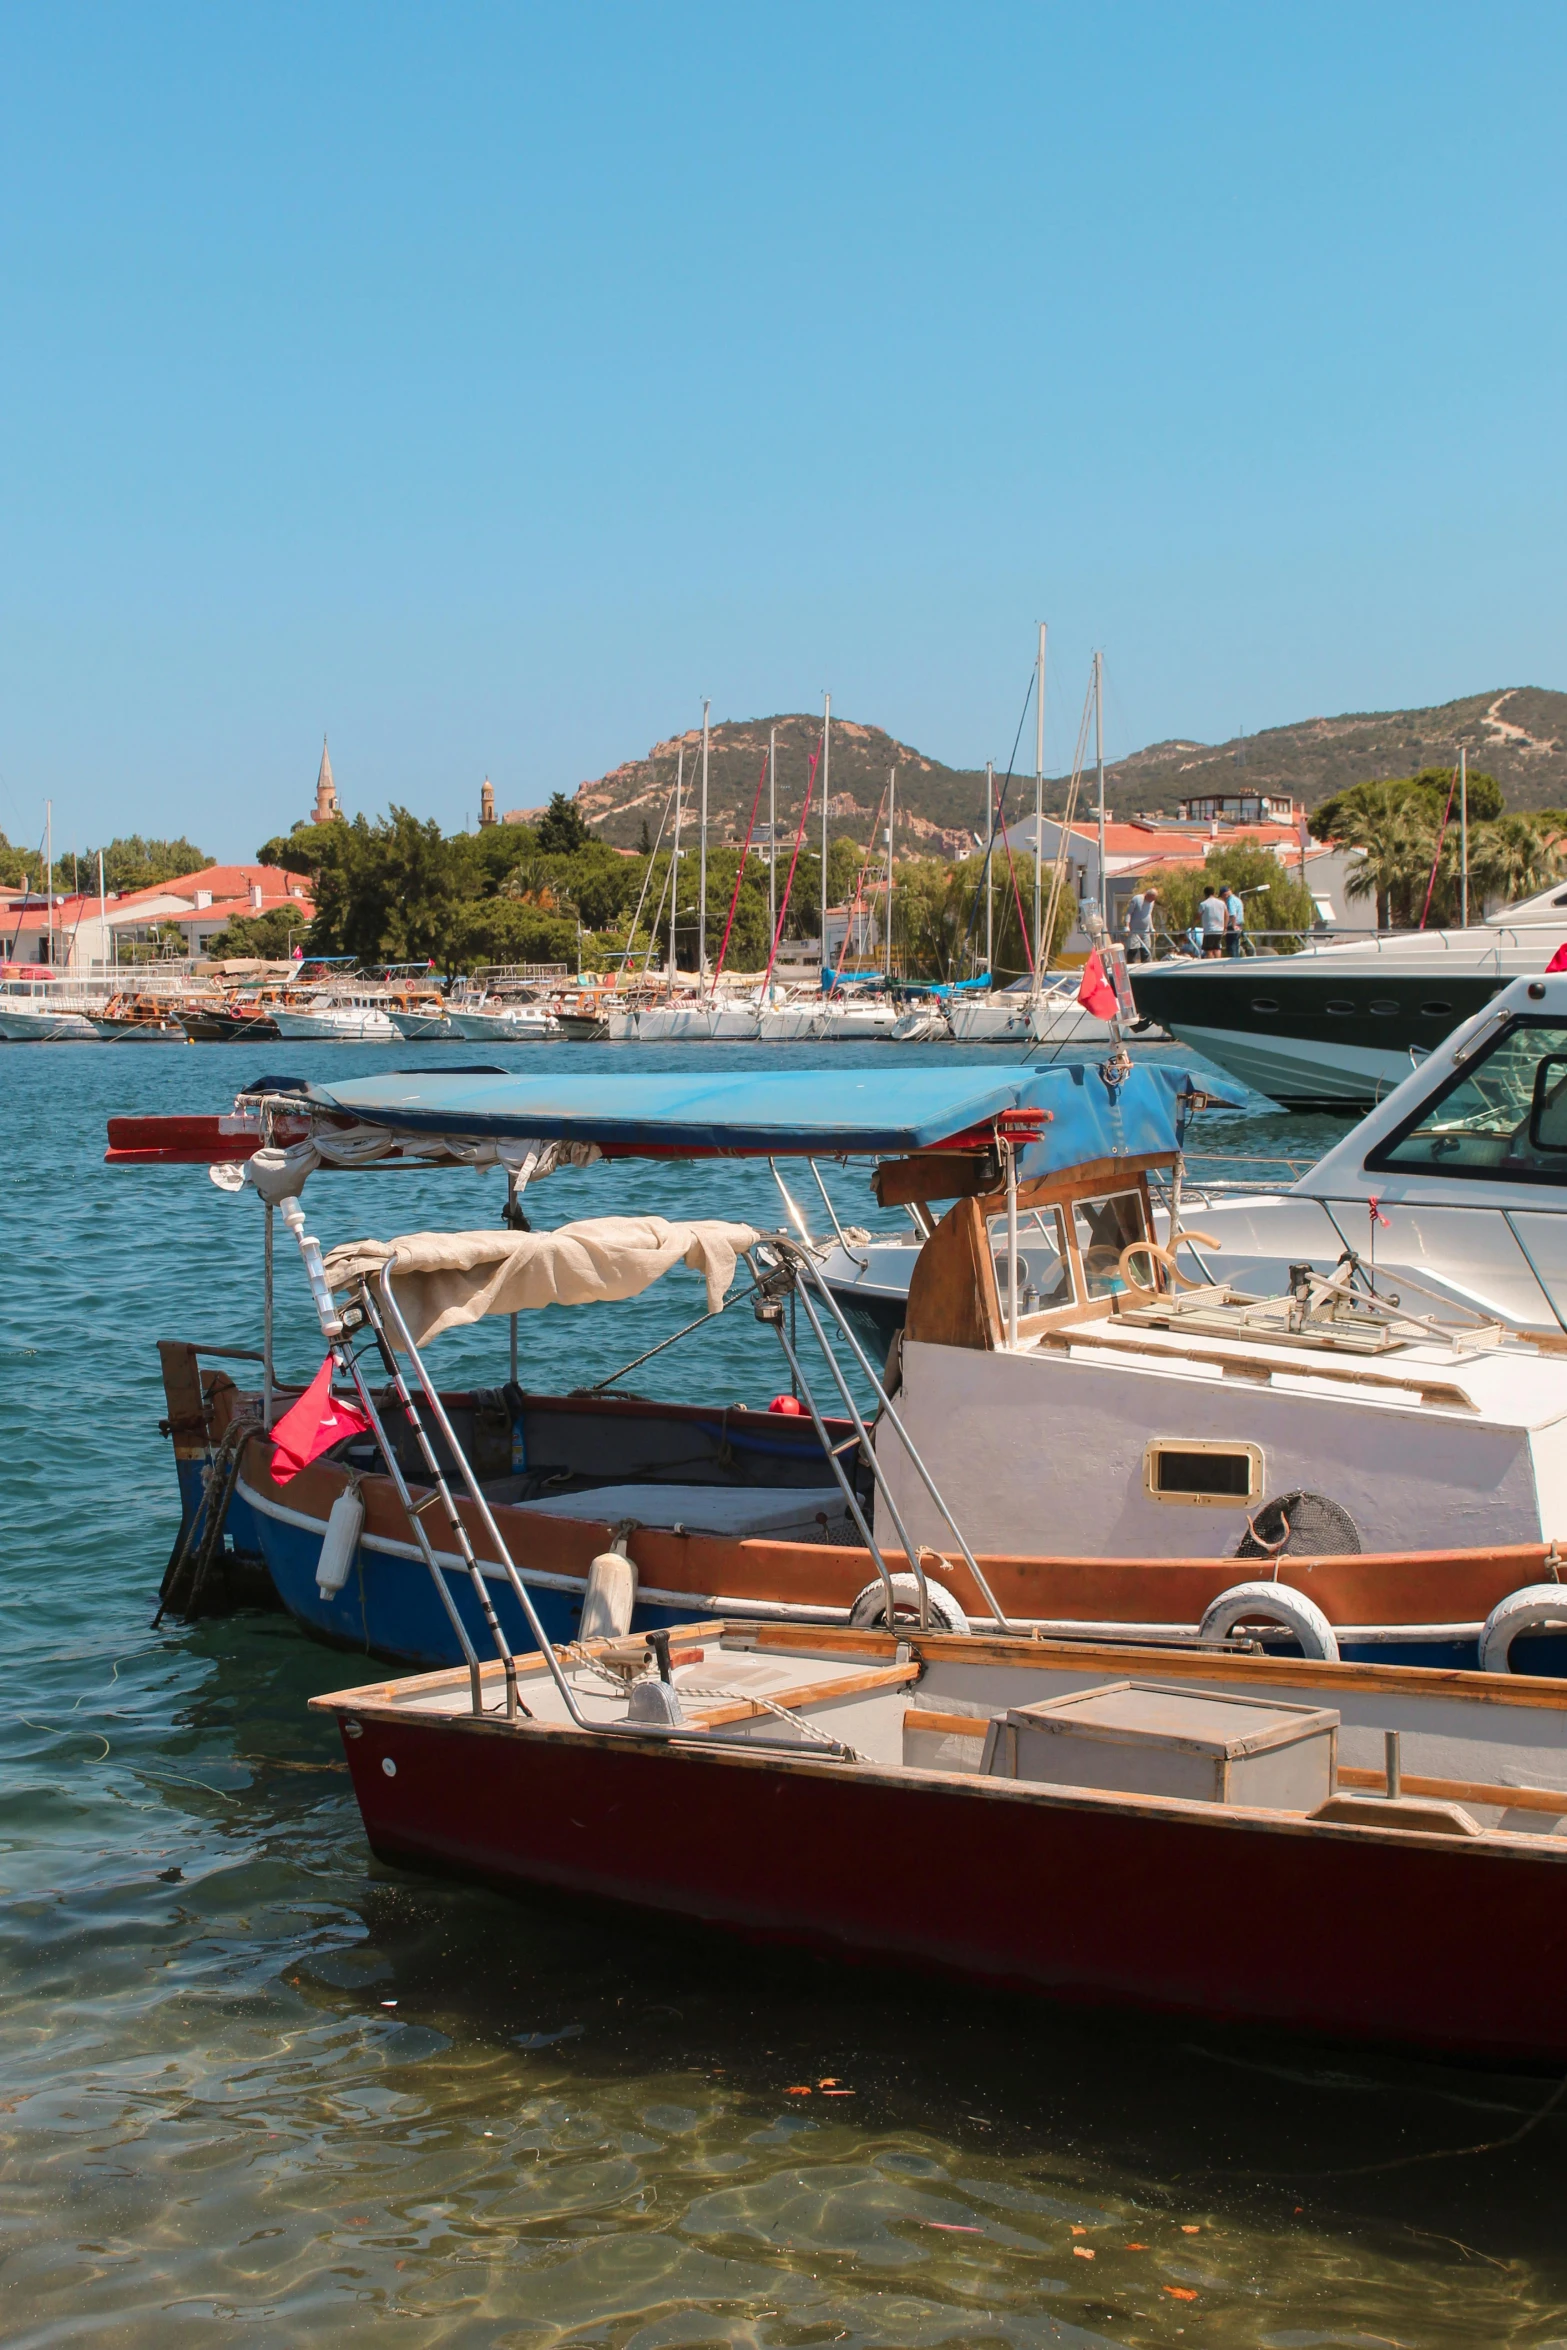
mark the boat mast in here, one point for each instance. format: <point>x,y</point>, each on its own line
<point>1463,838</point>
<point>701,919</point>
<point>103,919</point>
<point>826,794</point>
<point>49,873</point>
<point>674,868</point>
<point>892,817</point>
<point>990,870</point>
<point>1039,806</point>
<point>772,831</point>
<point>1099,762</point>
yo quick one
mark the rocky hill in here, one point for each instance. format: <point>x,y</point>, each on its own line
<point>1519,734</point>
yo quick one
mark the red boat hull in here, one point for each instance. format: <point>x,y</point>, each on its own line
<point>1347,1931</point>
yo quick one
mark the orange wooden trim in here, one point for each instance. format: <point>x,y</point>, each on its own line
<point>715,1717</point>
<point>1544,1799</point>
<point>951,1725</point>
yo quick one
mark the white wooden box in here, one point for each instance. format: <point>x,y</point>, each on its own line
<point>1145,1738</point>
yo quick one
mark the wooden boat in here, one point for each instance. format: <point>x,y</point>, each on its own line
<point>139,1019</point>
<point>1060,1446</point>
<point>1354,1850</point>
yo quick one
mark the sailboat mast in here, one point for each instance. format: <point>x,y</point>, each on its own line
<point>990,870</point>
<point>892,818</point>
<point>701,919</point>
<point>103,919</point>
<point>1463,838</point>
<point>826,795</point>
<point>772,831</point>
<point>674,874</point>
<point>1039,807</point>
<point>1099,763</point>
<point>49,871</point>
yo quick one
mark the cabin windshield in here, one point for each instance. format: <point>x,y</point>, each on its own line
<point>1104,1228</point>
<point>1044,1270</point>
<point>1503,1118</point>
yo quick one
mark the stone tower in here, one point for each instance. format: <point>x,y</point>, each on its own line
<point>326,806</point>
<point>487,813</point>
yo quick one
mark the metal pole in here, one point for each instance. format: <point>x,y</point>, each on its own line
<point>49,873</point>
<point>892,818</point>
<point>266,1321</point>
<point>1099,762</point>
<point>772,834</point>
<point>826,791</point>
<point>1011,1243</point>
<point>701,919</point>
<point>674,866</point>
<point>1039,807</point>
<point>1463,838</point>
<point>103,919</point>
<point>990,869</point>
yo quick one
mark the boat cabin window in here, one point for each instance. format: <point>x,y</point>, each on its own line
<point>1202,1474</point>
<point>1501,1117</point>
<point>1104,1228</point>
<point>1044,1270</point>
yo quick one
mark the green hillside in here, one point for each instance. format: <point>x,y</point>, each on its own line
<point>1519,734</point>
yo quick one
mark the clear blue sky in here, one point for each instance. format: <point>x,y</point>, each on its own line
<point>488,384</point>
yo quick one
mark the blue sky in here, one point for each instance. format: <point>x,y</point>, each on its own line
<point>486,385</point>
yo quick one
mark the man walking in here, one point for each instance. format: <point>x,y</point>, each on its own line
<point>1213,915</point>
<point>1139,925</point>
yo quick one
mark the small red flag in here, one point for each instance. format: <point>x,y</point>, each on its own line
<point>312,1426</point>
<point>1558,961</point>
<point>1095,994</point>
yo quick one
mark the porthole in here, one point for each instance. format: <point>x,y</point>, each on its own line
<point>1341,1010</point>
<point>1200,1473</point>
<point>388,1766</point>
<point>1436,1011</point>
<point>1264,1004</point>
<point>1384,1010</point>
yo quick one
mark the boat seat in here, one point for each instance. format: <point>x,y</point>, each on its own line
<point>788,1512</point>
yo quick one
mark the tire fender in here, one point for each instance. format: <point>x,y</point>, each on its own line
<point>870,1606</point>
<point>1272,1603</point>
<point>1525,1610</point>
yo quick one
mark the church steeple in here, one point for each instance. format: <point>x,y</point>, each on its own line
<point>326,790</point>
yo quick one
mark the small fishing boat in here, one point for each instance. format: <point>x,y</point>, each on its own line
<point>498,1019</point>
<point>242,1018</point>
<point>1361,1851</point>
<point>139,1019</point>
<point>1069,1435</point>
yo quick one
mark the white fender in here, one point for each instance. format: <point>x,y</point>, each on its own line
<point>344,1526</point>
<point>870,1606</point>
<point>609,1598</point>
<point>1272,1603</point>
<point>1521,1611</point>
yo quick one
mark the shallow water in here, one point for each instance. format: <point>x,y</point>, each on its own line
<point>256,2089</point>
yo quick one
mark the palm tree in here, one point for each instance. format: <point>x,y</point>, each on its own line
<point>1510,859</point>
<point>1399,845</point>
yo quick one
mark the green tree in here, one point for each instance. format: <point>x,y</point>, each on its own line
<point>1275,899</point>
<point>272,936</point>
<point>561,828</point>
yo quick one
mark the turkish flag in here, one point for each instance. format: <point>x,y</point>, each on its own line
<point>1095,994</point>
<point>312,1426</point>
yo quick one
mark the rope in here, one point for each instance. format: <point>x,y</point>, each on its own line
<point>810,786</point>
<point>810,1731</point>
<point>739,877</point>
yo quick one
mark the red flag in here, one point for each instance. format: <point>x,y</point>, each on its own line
<point>1558,961</point>
<point>312,1426</point>
<point>1095,994</point>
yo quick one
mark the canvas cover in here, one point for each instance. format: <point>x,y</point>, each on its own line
<point>444,1279</point>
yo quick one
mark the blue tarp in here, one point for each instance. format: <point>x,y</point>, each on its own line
<point>791,1112</point>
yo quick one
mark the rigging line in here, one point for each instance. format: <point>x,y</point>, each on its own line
<point>1452,786</point>
<point>1000,811</point>
<point>805,809</point>
<point>745,851</point>
<point>631,940</point>
<point>859,897</point>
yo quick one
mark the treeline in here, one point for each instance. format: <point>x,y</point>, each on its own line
<point>1408,827</point>
<point>129,862</point>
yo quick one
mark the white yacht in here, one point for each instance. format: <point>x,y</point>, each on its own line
<point>1335,1027</point>
<point>49,1011</point>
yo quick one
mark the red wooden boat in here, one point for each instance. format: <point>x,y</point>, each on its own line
<point>1367,1851</point>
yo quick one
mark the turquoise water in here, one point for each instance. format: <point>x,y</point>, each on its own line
<point>257,2090</point>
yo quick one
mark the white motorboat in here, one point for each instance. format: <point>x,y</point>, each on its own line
<point>48,1011</point>
<point>1336,1027</point>
<point>338,1019</point>
<point>426,1024</point>
<point>495,1020</point>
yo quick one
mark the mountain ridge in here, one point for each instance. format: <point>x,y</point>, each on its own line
<point>1516,733</point>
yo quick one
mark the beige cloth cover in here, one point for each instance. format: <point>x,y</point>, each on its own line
<point>447,1278</point>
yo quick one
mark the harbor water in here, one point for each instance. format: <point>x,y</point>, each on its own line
<point>256,2089</point>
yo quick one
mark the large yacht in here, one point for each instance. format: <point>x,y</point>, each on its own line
<point>1337,1027</point>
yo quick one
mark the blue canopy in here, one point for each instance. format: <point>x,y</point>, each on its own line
<point>793,1112</point>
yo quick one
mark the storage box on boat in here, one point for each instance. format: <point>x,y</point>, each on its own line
<point>1144,1738</point>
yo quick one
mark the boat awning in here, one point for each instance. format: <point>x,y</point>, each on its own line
<point>1061,1116</point>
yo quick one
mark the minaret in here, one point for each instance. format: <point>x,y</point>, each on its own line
<point>326,791</point>
<point>487,802</point>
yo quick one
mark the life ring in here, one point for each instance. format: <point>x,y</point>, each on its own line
<point>1272,1603</point>
<point>1526,1610</point>
<point>870,1606</point>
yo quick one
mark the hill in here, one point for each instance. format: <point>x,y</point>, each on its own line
<point>1519,734</point>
